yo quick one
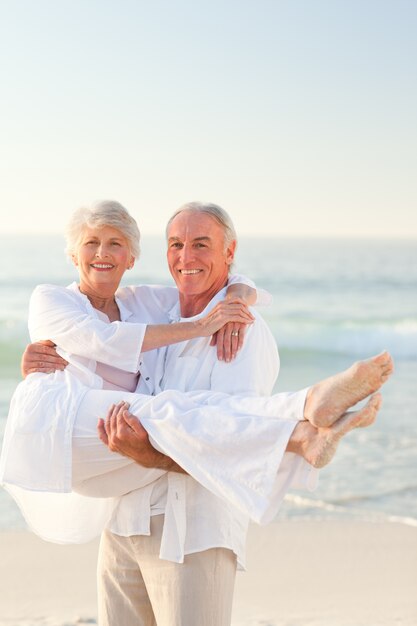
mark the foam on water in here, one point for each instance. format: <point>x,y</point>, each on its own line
<point>314,508</point>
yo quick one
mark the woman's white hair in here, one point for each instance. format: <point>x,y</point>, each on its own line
<point>98,215</point>
<point>215,211</point>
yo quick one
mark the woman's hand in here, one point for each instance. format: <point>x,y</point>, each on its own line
<point>229,340</point>
<point>224,312</point>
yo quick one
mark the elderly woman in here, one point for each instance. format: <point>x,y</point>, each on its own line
<point>51,444</point>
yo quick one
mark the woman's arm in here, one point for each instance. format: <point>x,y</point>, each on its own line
<point>225,312</point>
<point>61,316</point>
<point>158,300</point>
<point>242,292</point>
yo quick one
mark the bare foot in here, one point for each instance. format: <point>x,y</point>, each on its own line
<point>318,445</point>
<point>332,397</point>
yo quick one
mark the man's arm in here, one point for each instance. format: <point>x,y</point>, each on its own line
<point>122,432</point>
<point>41,357</point>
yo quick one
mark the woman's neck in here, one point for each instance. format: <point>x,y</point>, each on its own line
<point>105,303</point>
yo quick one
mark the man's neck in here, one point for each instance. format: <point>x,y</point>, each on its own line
<point>191,305</point>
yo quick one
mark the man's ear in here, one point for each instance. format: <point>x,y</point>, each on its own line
<point>230,252</point>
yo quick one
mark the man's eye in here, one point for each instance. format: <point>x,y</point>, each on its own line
<point>115,243</point>
<point>176,245</point>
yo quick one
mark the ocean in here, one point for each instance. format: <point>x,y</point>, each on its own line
<point>334,301</point>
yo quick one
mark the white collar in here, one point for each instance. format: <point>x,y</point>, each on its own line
<point>125,312</point>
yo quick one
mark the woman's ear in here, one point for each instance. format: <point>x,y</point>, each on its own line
<point>74,259</point>
<point>132,263</point>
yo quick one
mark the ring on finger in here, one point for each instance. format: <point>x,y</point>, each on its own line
<point>235,333</point>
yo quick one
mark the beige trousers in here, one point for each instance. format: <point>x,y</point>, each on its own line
<point>137,588</point>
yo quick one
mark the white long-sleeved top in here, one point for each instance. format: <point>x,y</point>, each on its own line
<point>47,403</point>
<point>36,458</point>
<point>68,318</point>
<point>195,518</point>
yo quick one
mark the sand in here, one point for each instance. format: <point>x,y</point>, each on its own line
<point>299,574</point>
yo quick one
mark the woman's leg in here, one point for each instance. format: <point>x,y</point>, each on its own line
<point>96,471</point>
<point>184,426</point>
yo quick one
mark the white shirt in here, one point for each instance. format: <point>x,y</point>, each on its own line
<point>195,518</point>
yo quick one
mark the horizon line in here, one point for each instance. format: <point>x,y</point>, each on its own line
<point>374,236</point>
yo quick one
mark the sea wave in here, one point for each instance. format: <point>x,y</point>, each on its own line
<point>303,504</point>
<point>400,491</point>
<point>353,338</point>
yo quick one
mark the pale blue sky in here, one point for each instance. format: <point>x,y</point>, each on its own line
<point>297,116</point>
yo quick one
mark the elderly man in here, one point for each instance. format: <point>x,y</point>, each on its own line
<point>170,552</point>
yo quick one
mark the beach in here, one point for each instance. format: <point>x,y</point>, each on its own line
<point>328,573</point>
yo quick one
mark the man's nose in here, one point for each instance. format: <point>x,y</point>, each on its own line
<point>187,253</point>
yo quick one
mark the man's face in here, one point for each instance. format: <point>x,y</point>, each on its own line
<point>197,258</point>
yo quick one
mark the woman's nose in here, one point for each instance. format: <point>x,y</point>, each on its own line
<point>101,252</point>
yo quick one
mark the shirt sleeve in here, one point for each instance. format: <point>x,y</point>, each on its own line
<point>256,366</point>
<point>254,372</point>
<point>57,314</point>
<point>152,301</point>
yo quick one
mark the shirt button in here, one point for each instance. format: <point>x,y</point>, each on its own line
<point>147,378</point>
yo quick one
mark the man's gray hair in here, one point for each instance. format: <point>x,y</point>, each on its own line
<point>215,211</point>
<point>98,215</point>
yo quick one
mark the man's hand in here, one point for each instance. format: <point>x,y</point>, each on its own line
<point>122,432</point>
<point>41,357</point>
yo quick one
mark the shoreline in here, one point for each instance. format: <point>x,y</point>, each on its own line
<point>327,573</point>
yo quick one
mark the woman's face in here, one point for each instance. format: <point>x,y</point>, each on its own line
<point>102,258</point>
